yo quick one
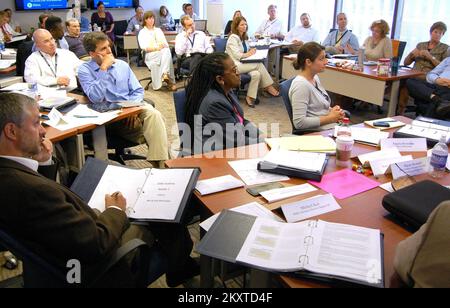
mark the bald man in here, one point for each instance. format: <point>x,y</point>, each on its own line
<point>49,65</point>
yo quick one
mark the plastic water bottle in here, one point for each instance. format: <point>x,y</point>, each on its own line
<point>439,158</point>
<point>361,58</point>
<point>2,45</point>
<point>344,129</point>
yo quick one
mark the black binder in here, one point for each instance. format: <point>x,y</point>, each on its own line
<point>292,172</point>
<point>227,235</point>
<point>414,204</point>
<point>92,172</point>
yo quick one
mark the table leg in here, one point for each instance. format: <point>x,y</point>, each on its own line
<point>128,56</point>
<point>206,272</point>
<point>277,64</point>
<point>393,100</point>
<point>100,143</point>
<point>259,279</point>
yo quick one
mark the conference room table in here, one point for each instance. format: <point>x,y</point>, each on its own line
<point>99,140</point>
<point>364,85</point>
<point>363,210</point>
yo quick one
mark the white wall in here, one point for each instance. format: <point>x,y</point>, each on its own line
<point>27,20</point>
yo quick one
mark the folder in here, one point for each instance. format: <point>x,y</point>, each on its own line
<point>267,245</point>
<point>155,195</point>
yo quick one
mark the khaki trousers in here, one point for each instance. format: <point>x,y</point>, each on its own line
<point>260,77</point>
<point>150,129</point>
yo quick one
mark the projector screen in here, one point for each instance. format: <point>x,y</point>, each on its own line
<point>30,5</point>
<point>115,3</point>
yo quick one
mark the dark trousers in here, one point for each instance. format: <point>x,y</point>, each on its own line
<point>191,63</point>
<point>422,91</point>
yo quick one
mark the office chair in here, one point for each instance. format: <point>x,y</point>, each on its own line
<point>142,53</point>
<point>284,91</point>
<point>179,99</point>
<point>120,27</point>
<point>23,52</point>
<point>39,272</point>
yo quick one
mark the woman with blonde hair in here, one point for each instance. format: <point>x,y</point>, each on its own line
<point>378,45</point>
<point>158,57</point>
<point>238,49</point>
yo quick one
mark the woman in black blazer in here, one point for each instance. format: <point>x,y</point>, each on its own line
<point>213,112</point>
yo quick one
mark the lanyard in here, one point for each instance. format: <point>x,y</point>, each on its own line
<point>193,40</point>
<point>337,33</point>
<point>271,24</point>
<point>49,66</point>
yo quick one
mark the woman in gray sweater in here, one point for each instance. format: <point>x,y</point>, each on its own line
<point>311,104</point>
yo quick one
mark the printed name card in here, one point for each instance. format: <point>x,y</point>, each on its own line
<point>405,144</point>
<point>308,208</point>
<point>410,168</point>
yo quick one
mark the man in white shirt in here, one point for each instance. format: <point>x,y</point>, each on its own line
<point>303,33</point>
<point>51,66</point>
<point>191,45</point>
<point>272,26</point>
<point>188,10</point>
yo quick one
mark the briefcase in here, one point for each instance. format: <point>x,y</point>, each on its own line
<point>414,204</point>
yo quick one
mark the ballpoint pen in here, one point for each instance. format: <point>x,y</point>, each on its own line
<point>84,117</point>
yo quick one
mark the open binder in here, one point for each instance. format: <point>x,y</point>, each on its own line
<point>158,195</point>
<point>430,129</point>
<point>309,249</point>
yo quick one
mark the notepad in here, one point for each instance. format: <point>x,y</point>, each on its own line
<point>317,144</point>
<point>346,183</point>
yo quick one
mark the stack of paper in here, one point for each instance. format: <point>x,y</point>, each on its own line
<point>312,162</point>
<point>260,55</point>
<point>9,54</point>
<point>317,144</point>
<point>367,136</point>
<point>215,185</point>
<point>248,172</point>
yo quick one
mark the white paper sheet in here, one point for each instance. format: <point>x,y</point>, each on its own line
<point>311,207</point>
<point>219,184</point>
<point>299,160</point>
<point>389,153</point>
<point>248,172</point>
<point>287,192</point>
<point>4,64</point>
<point>405,144</point>
<point>368,136</point>
<point>382,166</point>
<point>387,187</point>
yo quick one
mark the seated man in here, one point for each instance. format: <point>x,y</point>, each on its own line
<point>106,79</point>
<point>51,66</point>
<point>54,25</point>
<point>188,10</point>
<point>272,26</point>
<point>75,39</point>
<point>191,45</point>
<point>339,40</point>
<point>136,22</point>
<point>432,96</point>
<point>302,34</point>
<point>55,223</point>
<point>423,260</point>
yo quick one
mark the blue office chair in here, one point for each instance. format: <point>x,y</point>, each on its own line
<point>179,98</point>
<point>39,272</point>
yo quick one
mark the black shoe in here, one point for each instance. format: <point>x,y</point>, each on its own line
<point>443,109</point>
<point>191,269</point>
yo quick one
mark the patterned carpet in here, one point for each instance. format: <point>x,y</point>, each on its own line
<point>270,110</point>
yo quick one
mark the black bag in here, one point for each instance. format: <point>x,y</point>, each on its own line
<point>414,204</point>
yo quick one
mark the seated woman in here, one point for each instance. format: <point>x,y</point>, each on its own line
<point>158,57</point>
<point>230,22</point>
<point>238,49</point>
<point>104,20</point>
<point>378,45</point>
<point>310,101</point>
<point>165,19</point>
<point>426,56</point>
<point>210,95</point>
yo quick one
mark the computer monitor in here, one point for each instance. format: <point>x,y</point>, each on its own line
<point>201,25</point>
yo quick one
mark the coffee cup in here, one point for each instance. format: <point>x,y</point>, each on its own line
<point>344,147</point>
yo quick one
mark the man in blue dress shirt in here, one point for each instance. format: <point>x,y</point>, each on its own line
<point>434,93</point>
<point>106,79</point>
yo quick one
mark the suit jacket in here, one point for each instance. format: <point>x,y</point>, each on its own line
<point>218,112</point>
<point>423,260</point>
<point>54,222</point>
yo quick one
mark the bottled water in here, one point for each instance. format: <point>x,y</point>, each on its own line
<point>344,128</point>
<point>2,45</point>
<point>439,158</point>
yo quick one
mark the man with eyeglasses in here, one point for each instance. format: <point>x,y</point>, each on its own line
<point>49,65</point>
<point>272,26</point>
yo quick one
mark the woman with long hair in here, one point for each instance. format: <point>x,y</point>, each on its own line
<point>211,102</point>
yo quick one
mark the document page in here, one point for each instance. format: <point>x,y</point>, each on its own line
<point>162,194</point>
<point>260,54</point>
<point>248,172</point>
<point>298,160</point>
<point>118,179</point>
<point>346,251</point>
<point>275,246</point>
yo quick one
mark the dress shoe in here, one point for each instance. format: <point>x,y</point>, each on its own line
<point>190,270</point>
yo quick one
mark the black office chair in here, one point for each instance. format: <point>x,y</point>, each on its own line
<point>39,272</point>
<point>23,52</point>
<point>120,27</point>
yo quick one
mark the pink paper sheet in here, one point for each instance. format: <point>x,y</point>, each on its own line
<point>346,183</point>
